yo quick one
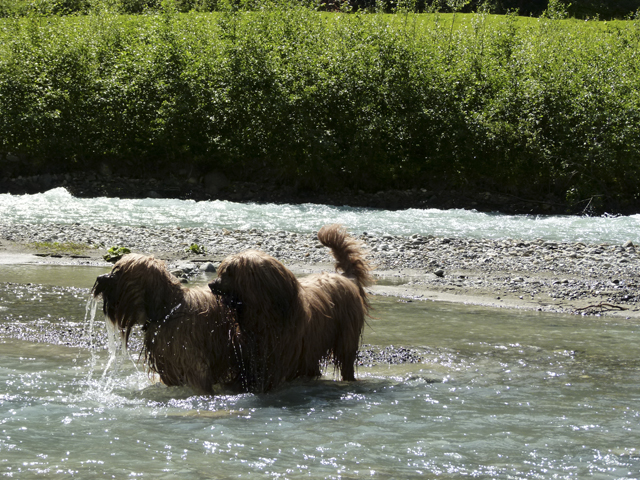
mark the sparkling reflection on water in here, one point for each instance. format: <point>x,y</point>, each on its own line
<point>498,393</point>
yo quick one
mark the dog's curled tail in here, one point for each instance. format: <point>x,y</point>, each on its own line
<point>348,253</point>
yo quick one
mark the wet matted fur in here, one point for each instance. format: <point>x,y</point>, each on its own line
<point>190,335</point>
<point>291,327</point>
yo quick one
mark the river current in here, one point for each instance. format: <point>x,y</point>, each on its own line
<point>59,206</point>
<point>496,394</point>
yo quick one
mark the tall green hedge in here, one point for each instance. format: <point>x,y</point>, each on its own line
<point>582,9</point>
<point>529,106</point>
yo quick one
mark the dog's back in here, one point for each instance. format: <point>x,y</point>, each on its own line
<point>337,303</point>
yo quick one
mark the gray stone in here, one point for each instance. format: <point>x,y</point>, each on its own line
<point>215,181</point>
<point>45,181</point>
<point>208,267</point>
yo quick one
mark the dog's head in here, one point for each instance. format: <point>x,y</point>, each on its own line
<point>105,286</point>
<point>257,284</point>
<point>137,291</point>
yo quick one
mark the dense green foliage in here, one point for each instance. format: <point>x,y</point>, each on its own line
<point>64,7</point>
<point>527,106</point>
<point>582,9</point>
<point>603,9</point>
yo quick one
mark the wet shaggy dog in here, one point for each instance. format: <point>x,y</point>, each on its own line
<point>190,336</point>
<point>292,327</point>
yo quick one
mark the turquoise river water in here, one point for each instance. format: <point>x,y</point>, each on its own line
<point>496,393</point>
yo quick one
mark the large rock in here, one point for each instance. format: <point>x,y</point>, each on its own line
<point>215,181</point>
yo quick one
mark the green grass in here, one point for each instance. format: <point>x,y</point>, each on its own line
<point>64,248</point>
<point>526,106</point>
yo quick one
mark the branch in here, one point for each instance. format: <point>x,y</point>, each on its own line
<point>603,307</point>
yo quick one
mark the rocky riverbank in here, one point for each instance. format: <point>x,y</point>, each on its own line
<point>538,275</point>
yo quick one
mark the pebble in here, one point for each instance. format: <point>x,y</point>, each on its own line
<point>208,267</point>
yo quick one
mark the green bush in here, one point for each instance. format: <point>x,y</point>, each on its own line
<point>115,253</point>
<point>326,101</point>
<point>13,8</point>
<point>10,8</point>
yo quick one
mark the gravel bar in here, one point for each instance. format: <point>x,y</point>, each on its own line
<point>540,275</point>
<point>568,278</point>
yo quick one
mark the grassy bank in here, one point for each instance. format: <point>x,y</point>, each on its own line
<point>531,107</point>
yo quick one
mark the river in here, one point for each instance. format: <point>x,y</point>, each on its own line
<point>495,394</point>
<point>59,206</point>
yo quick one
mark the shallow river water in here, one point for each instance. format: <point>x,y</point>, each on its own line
<point>497,394</point>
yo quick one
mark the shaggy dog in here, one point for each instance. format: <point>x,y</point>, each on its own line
<point>190,335</point>
<point>291,327</point>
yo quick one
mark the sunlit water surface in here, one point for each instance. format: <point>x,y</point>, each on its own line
<point>58,206</point>
<point>499,393</point>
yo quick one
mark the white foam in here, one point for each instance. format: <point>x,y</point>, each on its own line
<point>59,206</point>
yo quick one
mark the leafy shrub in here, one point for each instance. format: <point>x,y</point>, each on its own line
<point>327,101</point>
<point>196,249</point>
<point>115,253</point>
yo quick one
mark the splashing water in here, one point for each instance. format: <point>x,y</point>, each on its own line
<point>59,206</point>
<point>117,351</point>
<point>88,324</point>
<point>116,348</point>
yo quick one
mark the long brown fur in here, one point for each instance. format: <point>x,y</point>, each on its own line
<point>190,336</point>
<point>290,327</point>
